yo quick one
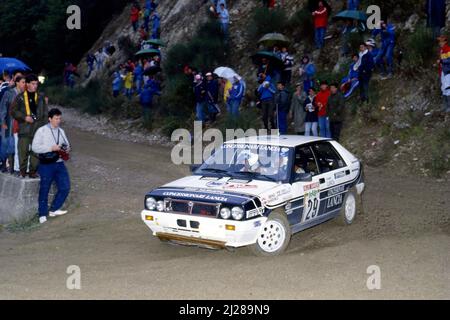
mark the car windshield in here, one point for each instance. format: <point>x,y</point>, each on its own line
<point>260,162</point>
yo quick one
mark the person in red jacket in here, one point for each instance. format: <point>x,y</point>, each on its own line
<point>444,70</point>
<point>134,17</point>
<point>322,104</point>
<point>320,17</point>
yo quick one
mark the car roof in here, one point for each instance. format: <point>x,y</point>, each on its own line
<point>285,140</point>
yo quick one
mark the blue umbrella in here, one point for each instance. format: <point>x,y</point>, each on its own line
<point>12,64</point>
<point>351,14</point>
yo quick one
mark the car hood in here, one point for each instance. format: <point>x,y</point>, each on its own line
<point>225,190</point>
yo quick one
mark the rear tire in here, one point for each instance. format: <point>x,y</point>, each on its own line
<point>274,236</point>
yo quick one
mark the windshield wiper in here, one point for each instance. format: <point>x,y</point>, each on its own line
<point>255,175</point>
<point>220,171</point>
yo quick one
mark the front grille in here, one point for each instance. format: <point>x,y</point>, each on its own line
<point>192,207</point>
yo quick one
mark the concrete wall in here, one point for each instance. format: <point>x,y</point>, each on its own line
<point>18,198</point>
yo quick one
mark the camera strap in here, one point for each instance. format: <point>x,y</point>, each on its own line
<point>54,138</point>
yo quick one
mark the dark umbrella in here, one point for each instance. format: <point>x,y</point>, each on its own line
<point>150,52</point>
<point>352,15</point>
<point>12,64</point>
<point>274,60</point>
<point>155,42</point>
<point>152,71</point>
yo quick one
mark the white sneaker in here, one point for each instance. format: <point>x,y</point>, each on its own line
<point>42,220</point>
<point>57,213</point>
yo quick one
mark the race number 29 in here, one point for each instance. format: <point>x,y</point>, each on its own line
<point>311,209</point>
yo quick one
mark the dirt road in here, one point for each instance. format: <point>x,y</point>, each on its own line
<point>405,232</point>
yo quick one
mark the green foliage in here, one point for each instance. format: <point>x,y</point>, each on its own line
<point>205,51</point>
<point>421,48</point>
<point>266,21</point>
<point>36,31</point>
<point>301,26</point>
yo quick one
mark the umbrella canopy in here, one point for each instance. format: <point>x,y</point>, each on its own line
<point>150,52</point>
<point>155,42</point>
<point>272,57</point>
<point>352,15</point>
<point>12,64</point>
<point>274,39</point>
<point>227,73</point>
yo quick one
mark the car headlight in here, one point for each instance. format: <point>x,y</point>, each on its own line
<point>160,206</point>
<point>237,213</point>
<point>150,202</point>
<point>225,213</point>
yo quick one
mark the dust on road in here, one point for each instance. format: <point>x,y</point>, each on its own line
<point>405,231</point>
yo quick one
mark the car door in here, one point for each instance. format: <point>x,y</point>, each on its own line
<point>334,174</point>
<point>307,194</point>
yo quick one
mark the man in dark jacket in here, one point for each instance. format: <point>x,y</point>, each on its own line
<point>336,106</point>
<point>212,96</point>
<point>30,110</point>
<point>283,104</point>
<point>200,98</point>
<point>365,69</point>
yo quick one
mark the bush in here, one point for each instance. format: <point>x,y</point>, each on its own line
<point>301,26</point>
<point>205,51</point>
<point>420,48</point>
<point>266,21</point>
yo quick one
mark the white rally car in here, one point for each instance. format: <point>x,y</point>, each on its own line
<point>258,192</point>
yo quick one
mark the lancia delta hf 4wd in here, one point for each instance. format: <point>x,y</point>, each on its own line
<point>258,192</point>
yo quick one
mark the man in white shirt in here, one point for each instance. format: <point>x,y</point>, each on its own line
<point>51,145</point>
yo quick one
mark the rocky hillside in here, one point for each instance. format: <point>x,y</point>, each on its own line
<point>402,128</point>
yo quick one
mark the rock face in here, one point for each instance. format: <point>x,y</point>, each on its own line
<point>19,198</point>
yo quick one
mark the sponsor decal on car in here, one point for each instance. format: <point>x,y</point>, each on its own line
<point>310,186</point>
<point>239,186</point>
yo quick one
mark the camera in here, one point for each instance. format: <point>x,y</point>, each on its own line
<point>63,153</point>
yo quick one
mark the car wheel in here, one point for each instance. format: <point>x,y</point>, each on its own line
<point>274,236</point>
<point>349,208</point>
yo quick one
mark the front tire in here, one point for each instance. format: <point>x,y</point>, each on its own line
<point>274,236</point>
<point>349,208</point>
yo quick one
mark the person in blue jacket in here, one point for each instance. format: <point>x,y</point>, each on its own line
<point>235,98</point>
<point>156,24</point>
<point>351,82</point>
<point>436,10</point>
<point>138,77</point>
<point>117,84</point>
<point>200,98</point>
<point>266,92</point>
<point>387,32</point>
<point>150,89</point>
<point>212,96</point>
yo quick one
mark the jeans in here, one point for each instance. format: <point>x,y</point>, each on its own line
<point>320,35</point>
<point>364,89</point>
<point>387,51</point>
<point>446,106</point>
<point>233,108</point>
<point>224,27</point>
<point>324,126</point>
<point>53,172</point>
<point>200,111</point>
<point>282,122</point>
<point>267,113</point>
<point>311,126</point>
<point>336,127</point>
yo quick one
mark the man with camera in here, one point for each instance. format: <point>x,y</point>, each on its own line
<point>52,147</point>
<point>30,110</point>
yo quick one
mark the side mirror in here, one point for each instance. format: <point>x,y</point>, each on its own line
<point>194,167</point>
<point>303,177</point>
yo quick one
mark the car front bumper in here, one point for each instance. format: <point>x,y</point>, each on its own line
<point>203,231</point>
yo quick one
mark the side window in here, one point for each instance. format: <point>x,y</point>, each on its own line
<point>305,161</point>
<point>327,158</point>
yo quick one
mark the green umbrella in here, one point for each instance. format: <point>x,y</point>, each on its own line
<point>155,42</point>
<point>151,52</point>
<point>352,15</point>
<point>272,57</point>
<point>274,39</point>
